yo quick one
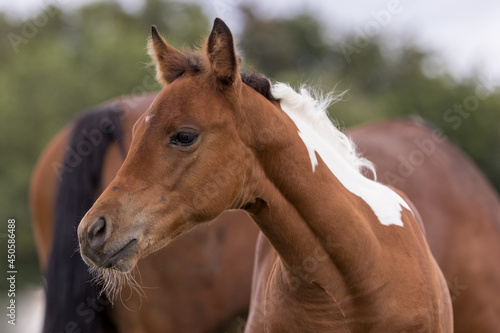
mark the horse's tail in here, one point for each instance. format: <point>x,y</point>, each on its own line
<point>72,301</point>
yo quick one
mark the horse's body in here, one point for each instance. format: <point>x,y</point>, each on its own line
<point>341,252</point>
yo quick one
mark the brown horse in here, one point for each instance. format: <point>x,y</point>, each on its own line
<point>461,218</point>
<point>448,222</point>
<point>196,285</point>
<point>389,145</point>
<point>340,252</point>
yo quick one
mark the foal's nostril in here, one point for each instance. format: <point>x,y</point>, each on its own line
<point>97,233</point>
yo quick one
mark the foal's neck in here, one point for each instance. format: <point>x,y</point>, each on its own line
<point>318,227</point>
<point>342,248</point>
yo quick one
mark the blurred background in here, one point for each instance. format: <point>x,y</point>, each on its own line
<point>397,58</point>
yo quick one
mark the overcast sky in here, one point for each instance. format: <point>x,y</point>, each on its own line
<point>464,33</point>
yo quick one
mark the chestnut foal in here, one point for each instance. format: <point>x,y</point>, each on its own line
<point>338,252</point>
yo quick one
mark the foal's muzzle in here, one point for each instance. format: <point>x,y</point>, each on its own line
<point>98,250</point>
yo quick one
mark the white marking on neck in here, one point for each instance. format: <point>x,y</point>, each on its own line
<point>310,150</point>
<point>385,203</point>
<point>148,118</point>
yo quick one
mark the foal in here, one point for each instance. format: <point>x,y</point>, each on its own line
<point>338,252</point>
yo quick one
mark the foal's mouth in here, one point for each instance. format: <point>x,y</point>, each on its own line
<point>129,249</point>
<point>121,260</point>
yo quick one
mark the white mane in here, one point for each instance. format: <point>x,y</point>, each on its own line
<point>322,138</point>
<point>311,107</point>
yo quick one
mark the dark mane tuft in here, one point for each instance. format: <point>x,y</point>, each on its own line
<point>260,83</point>
<point>195,61</point>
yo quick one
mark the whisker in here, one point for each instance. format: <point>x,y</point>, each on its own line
<point>112,283</point>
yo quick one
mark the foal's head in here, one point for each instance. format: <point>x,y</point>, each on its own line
<point>187,162</point>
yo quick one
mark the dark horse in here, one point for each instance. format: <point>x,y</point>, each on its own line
<point>460,210</point>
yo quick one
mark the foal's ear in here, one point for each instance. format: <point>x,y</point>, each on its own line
<point>169,62</point>
<point>221,53</point>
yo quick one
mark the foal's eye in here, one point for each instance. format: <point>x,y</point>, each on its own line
<point>184,138</point>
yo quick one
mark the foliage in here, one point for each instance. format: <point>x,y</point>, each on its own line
<point>78,59</point>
